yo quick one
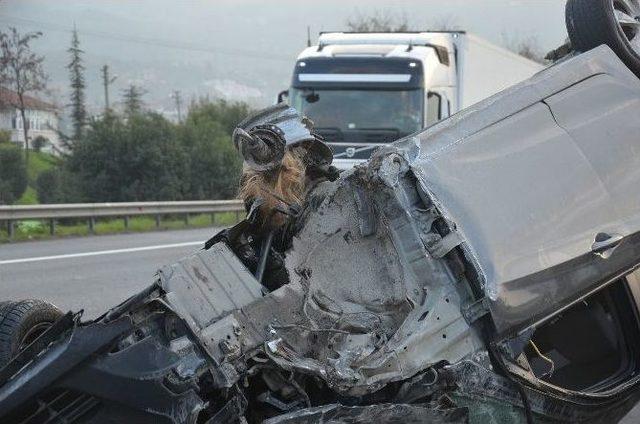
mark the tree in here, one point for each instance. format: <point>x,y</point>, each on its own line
<point>377,21</point>
<point>227,114</point>
<point>49,186</point>
<point>77,84</point>
<point>214,164</point>
<point>21,70</point>
<point>525,46</point>
<point>177,98</point>
<point>136,159</point>
<point>5,136</point>
<point>132,98</point>
<point>146,157</point>
<point>13,174</point>
<point>39,142</point>
<point>559,52</point>
<point>56,185</point>
<point>445,23</point>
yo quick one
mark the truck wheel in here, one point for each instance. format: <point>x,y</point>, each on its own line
<point>21,322</point>
<point>615,23</point>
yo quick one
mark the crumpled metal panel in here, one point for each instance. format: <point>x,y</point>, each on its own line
<point>208,285</point>
<point>376,306</point>
<point>207,289</point>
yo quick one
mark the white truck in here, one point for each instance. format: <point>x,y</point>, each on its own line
<point>365,89</point>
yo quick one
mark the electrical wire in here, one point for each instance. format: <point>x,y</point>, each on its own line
<point>546,358</point>
<point>150,41</point>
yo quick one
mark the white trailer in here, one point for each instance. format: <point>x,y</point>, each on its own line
<point>366,89</point>
<point>485,69</point>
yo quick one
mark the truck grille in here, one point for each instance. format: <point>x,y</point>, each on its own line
<point>346,144</point>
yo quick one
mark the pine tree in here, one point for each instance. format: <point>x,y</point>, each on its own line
<point>132,97</point>
<point>76,76</point>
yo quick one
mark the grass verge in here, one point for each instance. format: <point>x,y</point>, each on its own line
<point>38,162</point>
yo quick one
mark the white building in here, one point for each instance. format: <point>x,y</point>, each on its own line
<point>42,116</point>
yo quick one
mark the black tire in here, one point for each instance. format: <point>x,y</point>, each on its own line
<point>21,322</point>
<point>591,23</point>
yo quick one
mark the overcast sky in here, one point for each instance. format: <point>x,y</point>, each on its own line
<point>243,47</point>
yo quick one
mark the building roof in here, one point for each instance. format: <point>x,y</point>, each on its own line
<point>10,98</point>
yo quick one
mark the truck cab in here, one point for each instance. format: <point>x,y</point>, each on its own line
<point>363,90</point>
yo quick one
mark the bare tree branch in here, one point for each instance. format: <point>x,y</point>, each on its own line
<point>445,23</point>
<point>21,71</point>
<point>528,47</point>
<point>378,20</point>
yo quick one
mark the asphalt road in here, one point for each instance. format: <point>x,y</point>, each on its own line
<point>96,273</point>
<point>91,273</point>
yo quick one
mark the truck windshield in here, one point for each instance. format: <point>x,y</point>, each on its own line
<point>358,109</point>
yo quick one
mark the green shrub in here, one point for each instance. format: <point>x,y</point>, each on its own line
<point>136,159</point>
<point>31,226</point>
<point>49,186</point>
<point>145,157</point>
<point>13,173</point>
<point>226,114</point>
<point>5,136</point>
<point>214,164</point>
<point>38,143</point>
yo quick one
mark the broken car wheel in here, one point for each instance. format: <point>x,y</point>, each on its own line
<point>615,23</point>
<point>22,322</point>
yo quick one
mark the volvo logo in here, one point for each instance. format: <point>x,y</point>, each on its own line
<point>350,151</point>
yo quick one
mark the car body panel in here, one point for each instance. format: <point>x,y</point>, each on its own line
<point>602,116</point>
<point>532,232</point>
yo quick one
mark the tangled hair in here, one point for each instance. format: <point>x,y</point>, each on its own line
<point>278,188</point>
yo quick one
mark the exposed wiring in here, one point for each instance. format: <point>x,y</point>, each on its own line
<point>544,357</point>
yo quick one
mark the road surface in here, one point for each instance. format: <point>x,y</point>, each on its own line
<point>96,273</point>
<point>91,273</point>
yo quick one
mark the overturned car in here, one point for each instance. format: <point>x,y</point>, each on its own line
<point>481,271</point>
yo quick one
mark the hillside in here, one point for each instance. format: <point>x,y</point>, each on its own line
<point>38,162</point>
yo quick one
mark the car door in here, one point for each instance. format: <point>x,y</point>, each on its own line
<point>541,183</point>
<point>528,203</point>
<point>602,116</point>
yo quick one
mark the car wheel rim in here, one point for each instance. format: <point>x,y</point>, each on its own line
<point>627,13</point>
<point>33,333</point>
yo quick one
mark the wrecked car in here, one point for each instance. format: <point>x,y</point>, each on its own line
<point>484,270</point>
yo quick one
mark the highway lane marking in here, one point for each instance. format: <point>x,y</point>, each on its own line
<point>99,252</point>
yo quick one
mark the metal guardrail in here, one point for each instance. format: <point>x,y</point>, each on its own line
<point>11,214</point>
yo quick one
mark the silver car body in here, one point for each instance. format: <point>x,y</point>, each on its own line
<point>532,175</point>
